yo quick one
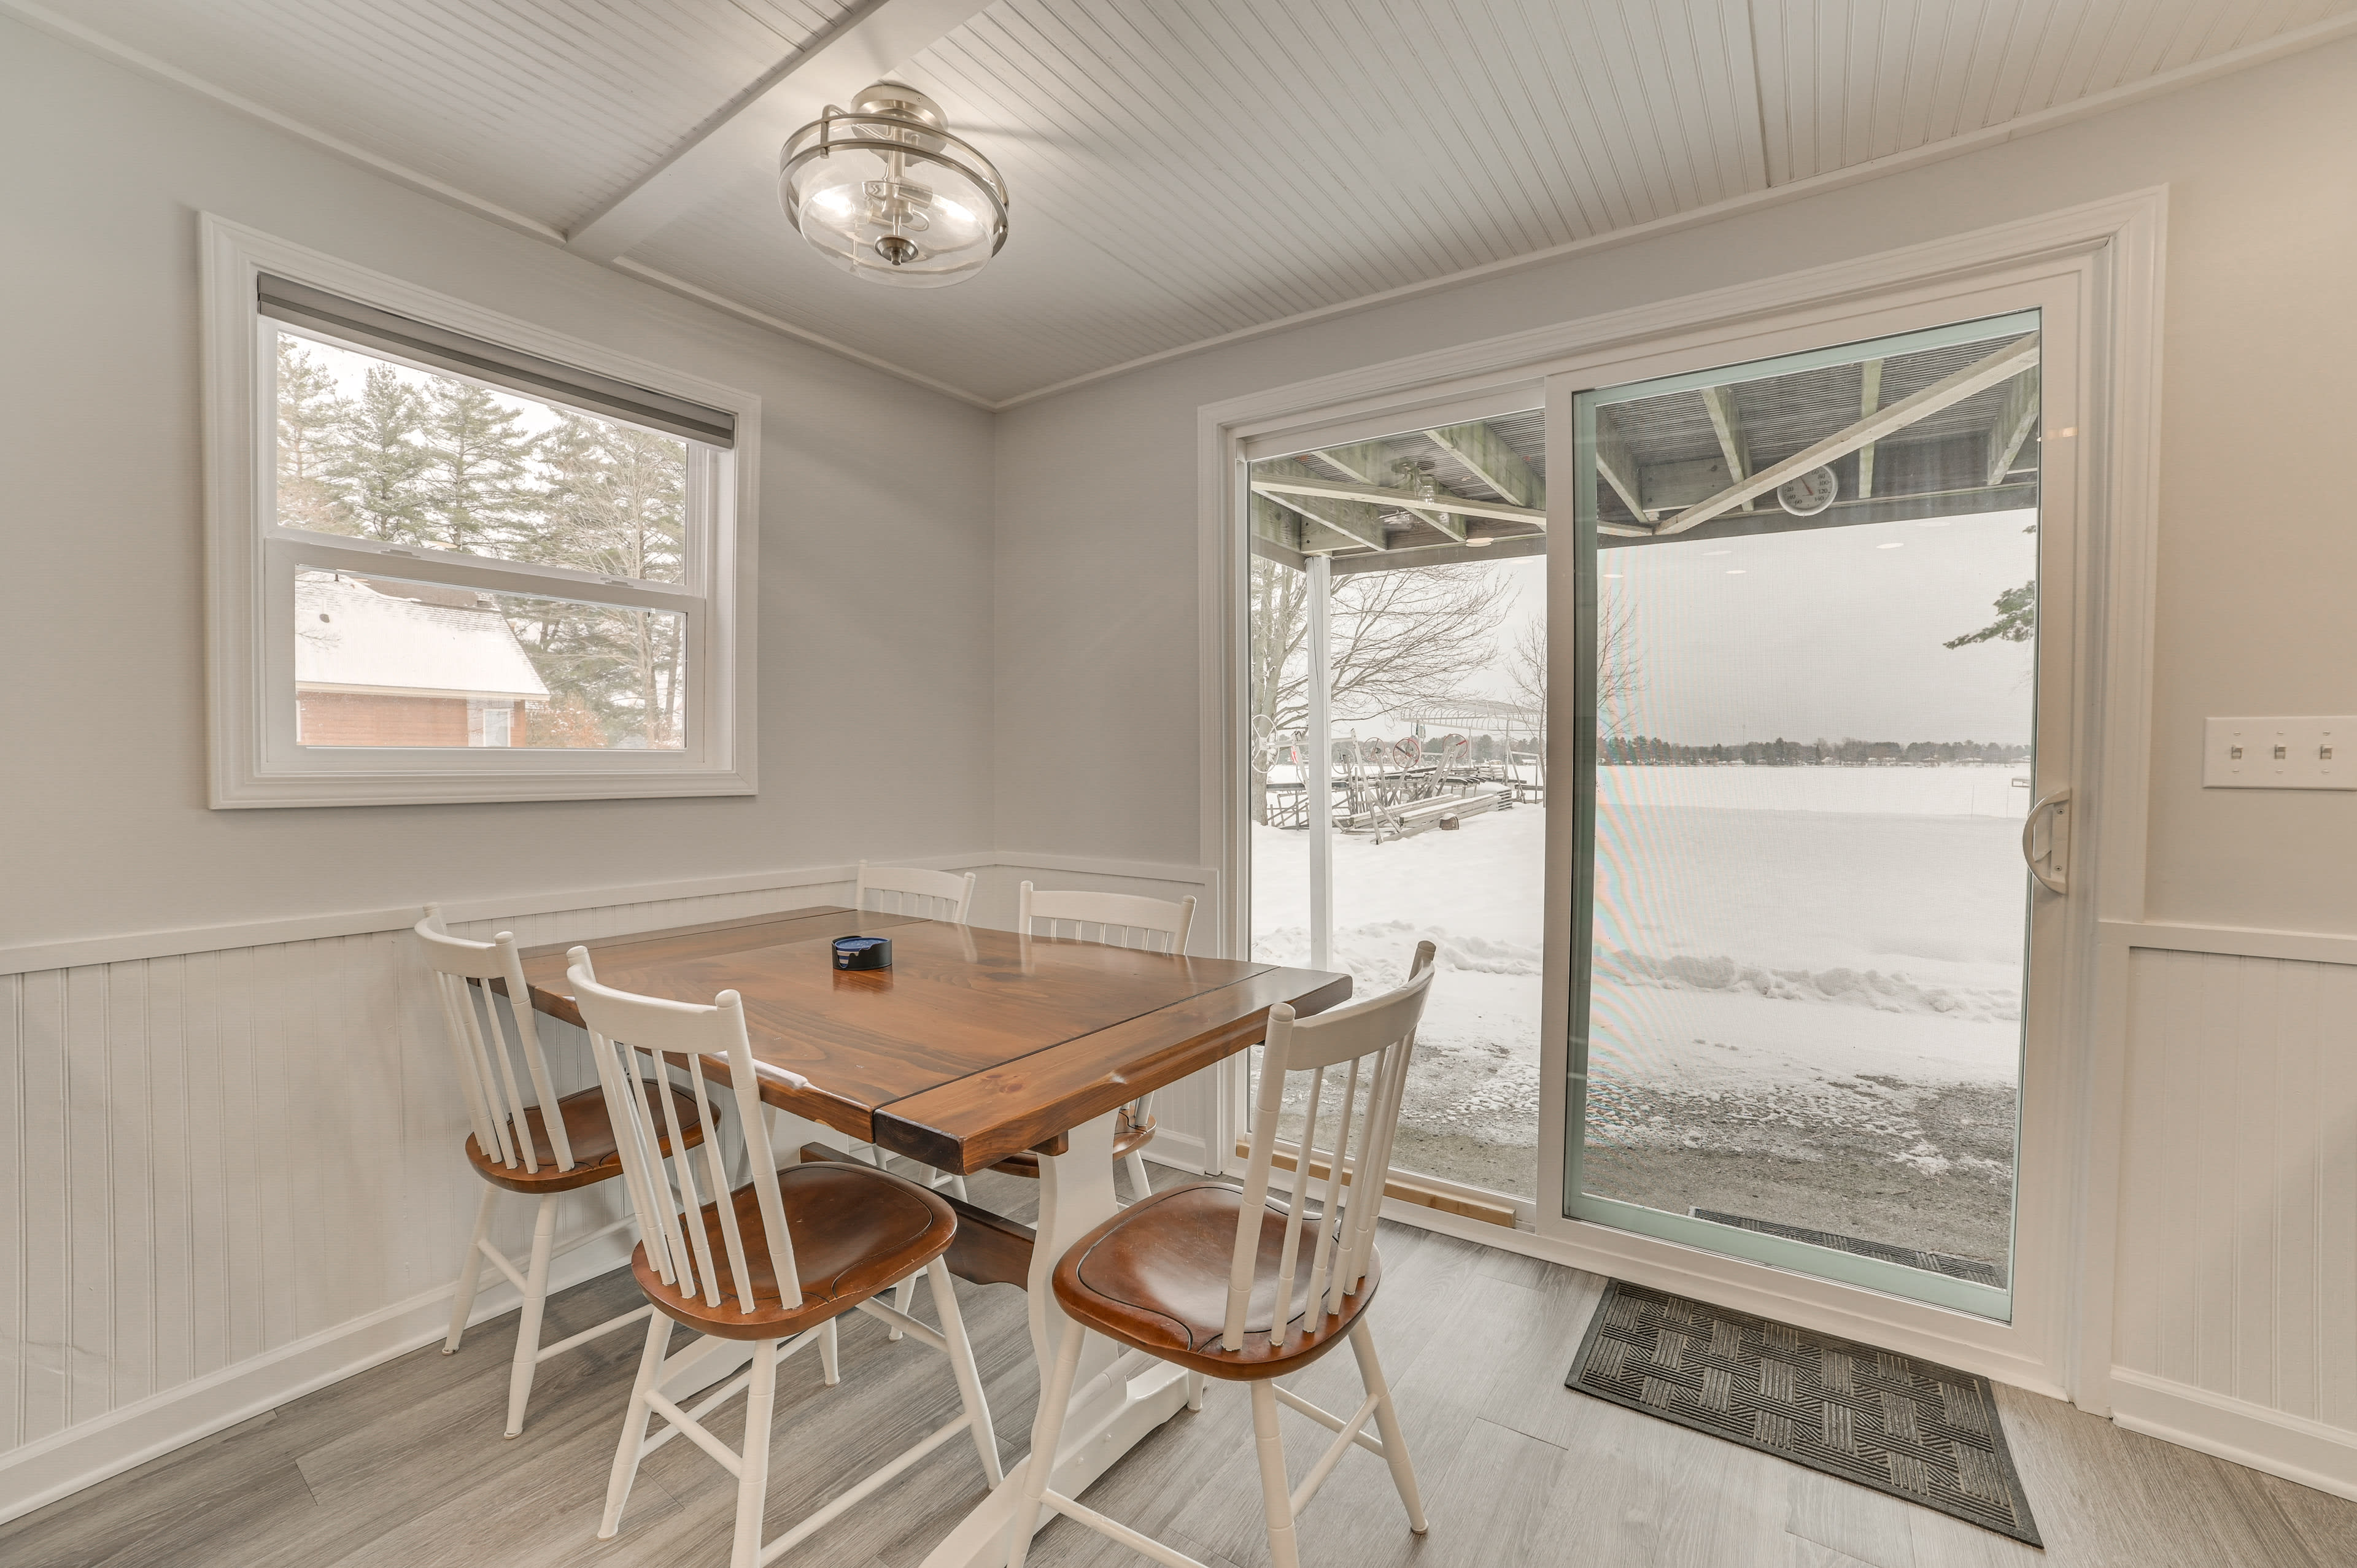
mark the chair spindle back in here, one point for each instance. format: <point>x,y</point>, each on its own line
<point>1374,1039</point>
<point>909,890</point>
<point>484,1051</point>
<point>639,1041</point>
<point>1118,920</point>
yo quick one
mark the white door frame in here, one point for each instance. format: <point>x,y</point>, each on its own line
<point>2099,263</point>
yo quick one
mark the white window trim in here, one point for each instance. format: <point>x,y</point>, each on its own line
<point>254,761</point>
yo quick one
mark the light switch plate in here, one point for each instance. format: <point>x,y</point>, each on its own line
<point>2280,753</point>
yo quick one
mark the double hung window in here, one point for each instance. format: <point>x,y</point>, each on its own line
<point>458,558</point>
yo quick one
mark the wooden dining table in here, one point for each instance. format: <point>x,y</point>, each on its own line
<point>975,1045</point>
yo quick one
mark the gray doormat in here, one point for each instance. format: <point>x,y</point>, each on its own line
<point>1947,1264</point>
<point>1914,1429</point>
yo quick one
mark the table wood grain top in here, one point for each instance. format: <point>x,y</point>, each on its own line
<point>975,1045</point>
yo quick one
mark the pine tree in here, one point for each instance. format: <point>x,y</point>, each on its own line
<point>310,426</point>
<point>617,505</point>
<point>381,460</point>
<point>478,464</point>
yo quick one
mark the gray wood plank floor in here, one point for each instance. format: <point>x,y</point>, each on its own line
<point>404,1465</point>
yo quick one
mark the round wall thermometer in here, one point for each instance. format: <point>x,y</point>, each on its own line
<point>1809,494</point>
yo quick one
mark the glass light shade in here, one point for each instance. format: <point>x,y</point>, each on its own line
<point>891,195</point>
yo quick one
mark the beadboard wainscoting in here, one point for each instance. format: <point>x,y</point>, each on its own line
<point>235,1172</point>
<point>2236,1309</point>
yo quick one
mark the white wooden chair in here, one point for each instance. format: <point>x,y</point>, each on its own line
<point>911,890</point>
<point>775,1262</point>
<point>1143,1278</point>
<point>515,1146</point>
<point>1122,921</point>
<point>928,896</point>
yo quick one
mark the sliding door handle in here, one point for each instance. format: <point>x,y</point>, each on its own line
<point>2051,868</point>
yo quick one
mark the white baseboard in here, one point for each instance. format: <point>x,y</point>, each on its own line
<point>2294,1447</point>
<point>83,1455</point>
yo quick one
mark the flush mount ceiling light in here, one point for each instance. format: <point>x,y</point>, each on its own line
<point>885,190</point>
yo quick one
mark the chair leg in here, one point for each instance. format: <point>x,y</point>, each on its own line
<point>634,1424</point>
<point>829,1359</point>
<point>535,1299</point>
<point>969,1380</point>
<point>1195,1391</point>
<point>1277,1497</point>
<point>753,1477</point>
<point>1387,1422</point>
<point>1138,1186</point>
<point>957,1188</point>
<point>471,1273</point>
<point>1047,1431</point>
<point>904,1295</point>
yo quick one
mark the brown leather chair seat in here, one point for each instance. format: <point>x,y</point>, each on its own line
<point>1155,1277</point>
<point>595,1158</point>
<point>856,1231</point>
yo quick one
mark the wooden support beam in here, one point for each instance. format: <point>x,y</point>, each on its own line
<point>1297,485</point>
<point>1276,524</point>
<point>1275,479</point>
<point>2011,360</point>
<point>2016,418</point>
<point>743,139</point>
<point>1495,464</point>
<point>1364,462</point>
<point>1847,513</point>
<point>1728,424</point>
<point>1870,399</point>
<point>1376,463</point>
<point>1616,464</point>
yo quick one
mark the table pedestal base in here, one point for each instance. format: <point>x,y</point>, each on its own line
<point>1117,1399</point>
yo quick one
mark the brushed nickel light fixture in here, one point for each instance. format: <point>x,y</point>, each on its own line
<point>886,191</point>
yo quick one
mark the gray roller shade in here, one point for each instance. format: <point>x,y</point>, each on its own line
<point>300,305</point>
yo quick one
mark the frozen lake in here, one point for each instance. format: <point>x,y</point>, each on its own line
<point>1795,966</point>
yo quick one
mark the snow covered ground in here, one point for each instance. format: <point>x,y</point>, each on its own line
<point>1806,993</point>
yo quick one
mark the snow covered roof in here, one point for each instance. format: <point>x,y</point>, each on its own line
<point>351,636</point>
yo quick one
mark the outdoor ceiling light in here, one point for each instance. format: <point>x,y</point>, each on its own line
<point>886,191</point>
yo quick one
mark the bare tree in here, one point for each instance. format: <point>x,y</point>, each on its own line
<point>1396,639</point>
<point>1618,666</point>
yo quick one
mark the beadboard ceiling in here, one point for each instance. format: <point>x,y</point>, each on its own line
<point>1182,170</point>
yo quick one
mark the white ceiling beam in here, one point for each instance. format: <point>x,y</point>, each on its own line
<point>867,46</point>
<point>2019,355</point>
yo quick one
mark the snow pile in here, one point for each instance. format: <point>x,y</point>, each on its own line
<point>1891,993</point>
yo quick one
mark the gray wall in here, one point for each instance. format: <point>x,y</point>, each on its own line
<point>1097,627</point>
<point>875,548</point>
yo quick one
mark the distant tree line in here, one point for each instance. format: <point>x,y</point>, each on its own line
<point>1648,750</point>
<point>430,460</point>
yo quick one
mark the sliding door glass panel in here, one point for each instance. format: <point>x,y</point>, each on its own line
<point>1808,644</point>
<point>1398,790</point>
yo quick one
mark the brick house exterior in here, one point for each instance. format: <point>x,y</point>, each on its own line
<point>384,663</point>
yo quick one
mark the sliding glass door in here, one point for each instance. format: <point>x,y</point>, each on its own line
<point>1807,706</point>
<point>1398,786</point>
